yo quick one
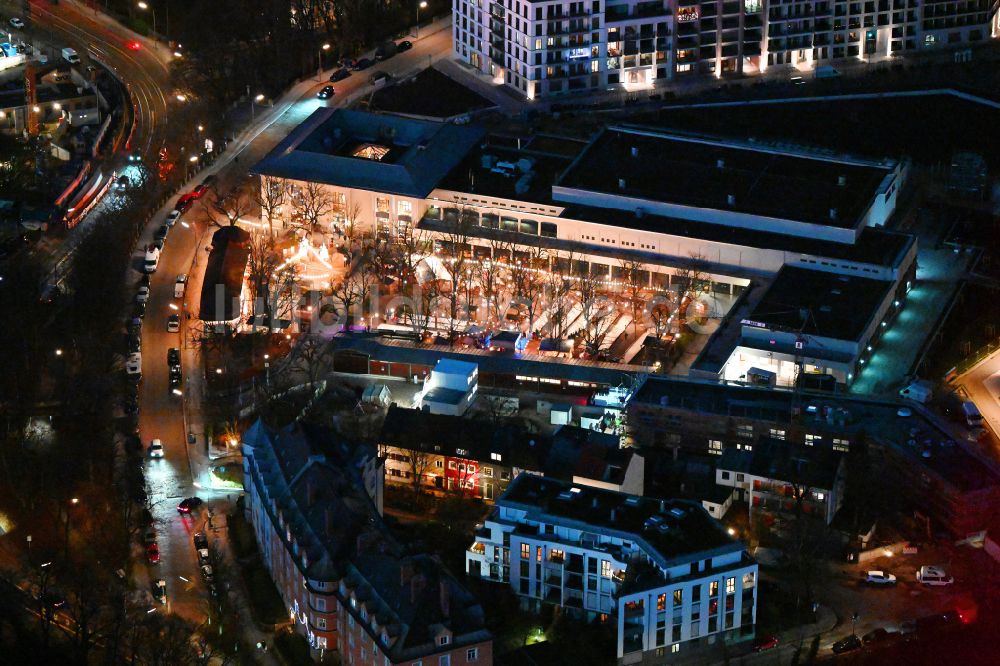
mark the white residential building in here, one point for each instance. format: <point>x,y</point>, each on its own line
<point>544,48</point>
<point>664,571</point>
<point>450,388</point>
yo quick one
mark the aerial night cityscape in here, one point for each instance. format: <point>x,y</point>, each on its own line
<point>514,332</point>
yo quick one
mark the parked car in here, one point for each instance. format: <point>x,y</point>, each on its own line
<point>153,553</point>
<point>156,449</point>
<point>172,217</point>
<point>847,645</point>
<point>180,284</point>
<point>385,51</point>
<point>71,56</point>
<point>139,310</point>
<point>933,575</point>
<point>880,578</point>
<point>186,201</point>
<point>362,64</point>
<point>326,92</point>
<point>764,643</point>
<point>207,573</point>
<point>931,623</point>
<point>161,233</point>
<point>160,591</point>
<point>404,45</point>
<point>133,365</point>
<point>173,323</point>
<point>203,556</point>
<point>149,535</point>
<point>173,357</point>
<point>340,74</point>
<point>200,540</point>
<point>17,23</point>
<point>142,295</point>
<point>175,378</point>
<point>189,504</point>
<point>205,183</point>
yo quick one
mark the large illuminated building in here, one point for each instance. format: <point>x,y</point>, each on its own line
<point>552,47</point>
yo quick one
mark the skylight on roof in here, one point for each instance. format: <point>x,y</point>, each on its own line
<point>371,151</point>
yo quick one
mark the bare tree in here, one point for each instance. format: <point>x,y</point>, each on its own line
<point>421,462</point>
<point>491,276</point>
<point>527,277</point>
<point>312,356</point>
<point>351,215</point>
<point>661,313</point>
<point>410,248</point>
<point>228,210</point>
<point>271,196</point>
<point>690,277</point>
<point>456,246</point>
<point>262,264</point>
<point>420,309</point>
<point>634,278</point>
<point>352,292</point>
<point>558,287</point>
<point>314,202</point>
<point>598,314</point>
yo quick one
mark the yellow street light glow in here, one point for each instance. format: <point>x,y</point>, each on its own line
<point>59,352</point>
<point>201,128</point>
<point>36,108</point>
<point>173,306</point>
<point>193,158</point>
<point>75,500</point>
<point>143,5</point>
<point>326,47</point>
<point>259,98</point>
<point>57,106</point>
<point>177,54</point>
<point>423,5</point>
<point>181,98</point>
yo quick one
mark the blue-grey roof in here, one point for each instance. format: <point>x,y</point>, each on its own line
<point>421,152</point>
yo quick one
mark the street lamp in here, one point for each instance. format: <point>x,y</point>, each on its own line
<point>421,5</point>
<point>319,66</point>
<point>143,6</point>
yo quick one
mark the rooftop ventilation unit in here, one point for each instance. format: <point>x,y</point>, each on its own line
<point>565,495</point>
<point>635,151</point>
<point>833,213</point>
<point>720,163</point>
<point>621,183</point>
<point>842,180</point>
<point>632,501</point>
<point>731,199</point>
<point>678,513</point>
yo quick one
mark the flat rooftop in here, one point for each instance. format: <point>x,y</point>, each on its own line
<point>674,528</point>
<point>952,463</point>
<point>685,170</point>
<point>429,94</point>
<point>829,305</point>
<point>368,151</point>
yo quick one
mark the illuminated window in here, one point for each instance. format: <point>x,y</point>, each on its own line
<point>715,447</point>
<point>382,204</point>
<point>777,434</point>
<point>371,151</point>
<point>404,208</point>
<point>730,586</point>
<point>661,602</point>
<point>678,597</point>
<point>713,588</point>
<point>812,439</point>
<point>606,568</point>
<point>841,445</point>
<point>525,551</point>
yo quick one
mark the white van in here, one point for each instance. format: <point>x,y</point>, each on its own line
<point>932,575</point>
<point>152,259</point>
<point>70,56</point>
<point>920,391</point>
<point>180,285</point>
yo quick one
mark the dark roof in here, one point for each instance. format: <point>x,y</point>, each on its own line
<point>587,453</point>
<point>823,413</point>
<point>430,94</point>
<point>220,292</point>
<point>808,466</point>
<point>421,431</point>
<point>830,305</point>
<point>684,170</point>
<point>673,529</point>
<point>418,153</point>
<point>874,245</point>
<point>315,480</point>
<point>394,351</point>
<point>474,177</point>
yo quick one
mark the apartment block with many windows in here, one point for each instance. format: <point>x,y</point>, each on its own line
<point>348,585</point>
<point>546,48</point>
<point>664,571</point>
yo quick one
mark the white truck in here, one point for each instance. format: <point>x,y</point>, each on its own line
<point>920,391</point>
<point>152,260</point>
<point>71,56</point>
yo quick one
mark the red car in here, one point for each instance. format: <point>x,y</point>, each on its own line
<point>153,553</point>
<point>134,45</point>
<point>765,643</point>
<point>186,201</point>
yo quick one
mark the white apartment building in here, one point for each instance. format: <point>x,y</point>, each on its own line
<point>552,47</point>
<point>664,571</point>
